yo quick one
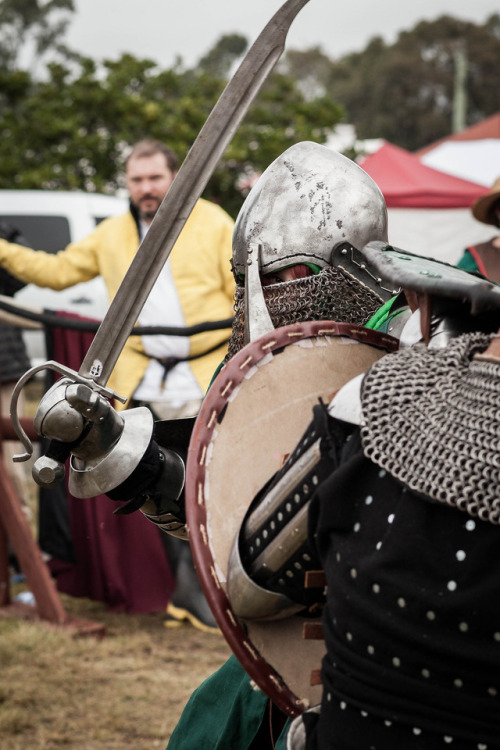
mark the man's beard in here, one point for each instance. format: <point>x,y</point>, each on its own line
<point>148,215</point>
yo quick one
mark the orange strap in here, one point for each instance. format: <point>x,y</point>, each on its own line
<point>481,267</point>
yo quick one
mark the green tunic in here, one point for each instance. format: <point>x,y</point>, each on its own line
<point>226,711</point>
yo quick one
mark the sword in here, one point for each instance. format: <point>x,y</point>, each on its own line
<point>188,185</point>
<point>196,170</point>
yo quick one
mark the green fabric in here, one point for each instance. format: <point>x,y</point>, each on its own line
<point>467,263</point>
<point>381,316</point>
<point>224,713</point>
<point>281,741</point>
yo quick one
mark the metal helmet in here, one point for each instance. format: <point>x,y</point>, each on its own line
<point>308,201</point>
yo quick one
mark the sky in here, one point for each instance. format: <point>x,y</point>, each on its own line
<point>164,30</point>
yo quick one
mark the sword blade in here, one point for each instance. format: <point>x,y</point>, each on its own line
<point>187,187</point>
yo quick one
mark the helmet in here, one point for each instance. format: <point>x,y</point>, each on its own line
<point>308,201</point>
<point>314,207</point>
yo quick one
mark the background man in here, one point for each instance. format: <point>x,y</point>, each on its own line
<point>196,285</point>
<point>197,277</point>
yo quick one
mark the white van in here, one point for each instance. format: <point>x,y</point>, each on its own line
<point>50,220</point>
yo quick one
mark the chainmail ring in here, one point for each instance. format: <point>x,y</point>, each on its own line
<point>431,420</point>
<point>328,295</point>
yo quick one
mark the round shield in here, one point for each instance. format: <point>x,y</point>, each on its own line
<point>253,415</point>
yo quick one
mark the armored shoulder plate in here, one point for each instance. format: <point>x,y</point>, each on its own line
<point>429,276</point>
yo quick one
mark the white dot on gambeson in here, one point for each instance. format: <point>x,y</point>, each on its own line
<point>353,573</point>
<point>458,683</point>
<point>328,697</point>
<point>338,556</point>
<point>426,673</point>
<point>451,585</point>
<point>388,723</point>
<point>463,627</point>
<point>496,636</point>
<point>343,706</point>
<point>417,730</point>
<point>369,500</point>
<point>390,518</point>
<point>470,525</point>
<point>396,661</point>
<point>430,615</point>
<point>364,714</point>
<point>378,545</point>
<point>370,650</point>
<point>348,636</point>
<point>448,739</point>
<point>482,747</point>
<point>492,691</point>
<point>401,602</point>
<point>376,588</point>
<point>461,555</point>
<point>382,473</point>
<point>356,527</point>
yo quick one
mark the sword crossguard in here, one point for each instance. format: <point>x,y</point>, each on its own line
<point>71,377</point>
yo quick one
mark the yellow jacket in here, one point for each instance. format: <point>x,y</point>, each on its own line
<point>201,269</point>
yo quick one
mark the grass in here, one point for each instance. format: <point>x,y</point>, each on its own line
<point>127,690</point>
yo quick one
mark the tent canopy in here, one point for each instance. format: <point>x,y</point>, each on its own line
<point>472,154</point>
<point>407,183</point>
<point>470,160</point>
<point>485,129</point>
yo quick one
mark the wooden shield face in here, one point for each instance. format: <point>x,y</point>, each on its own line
<point>253,415</point>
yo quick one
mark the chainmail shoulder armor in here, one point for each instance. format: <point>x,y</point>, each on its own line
<point>431,420</point>
<point>329,295</point>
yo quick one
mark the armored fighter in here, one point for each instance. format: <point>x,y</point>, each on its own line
<point>304,224</point>
<point>381,477</point>
<point>404,523</point>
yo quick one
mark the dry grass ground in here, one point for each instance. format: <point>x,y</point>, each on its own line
<point>124,691</point>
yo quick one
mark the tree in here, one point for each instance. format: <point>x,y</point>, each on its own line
<point>70,130</point>
<point>404,92</point>
<point>35,25</point>
<point>219,60</point>
<point>310,68</point>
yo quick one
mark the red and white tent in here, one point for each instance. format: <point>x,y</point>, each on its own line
<point>429,210</point>
<point>407,183</point>
<point>472,154</point>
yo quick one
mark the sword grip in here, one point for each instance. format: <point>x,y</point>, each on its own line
<point>48,470</point>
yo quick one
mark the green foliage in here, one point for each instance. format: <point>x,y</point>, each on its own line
<point>35,24</point>
<point>223,55</point>
<point>71,129</point>
<point>404,92</point>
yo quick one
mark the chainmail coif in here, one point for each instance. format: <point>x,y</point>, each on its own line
<point>431,420</point>
<point>328,295</point>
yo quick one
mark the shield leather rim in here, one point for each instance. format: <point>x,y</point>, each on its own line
<point>216,400</point>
